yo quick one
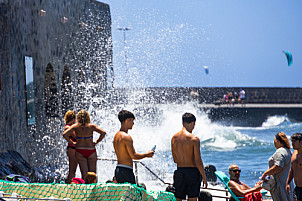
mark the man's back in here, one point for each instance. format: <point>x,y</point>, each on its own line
<point>297,168</point>
<point>183,148</point>
<point>186,154</point>
<point>120,146</point>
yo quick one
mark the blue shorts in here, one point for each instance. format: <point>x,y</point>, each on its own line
<point>187,181</point>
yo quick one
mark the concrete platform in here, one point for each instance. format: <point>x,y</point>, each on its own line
<point>251,105</point>
<point>252,115</point>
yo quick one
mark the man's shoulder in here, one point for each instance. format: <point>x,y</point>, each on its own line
<point>123,135</point>
<point>195,138</point>
<point>233,183</point>
<point>178,134</point>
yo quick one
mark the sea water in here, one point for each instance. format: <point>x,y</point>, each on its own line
<point>221,146</point>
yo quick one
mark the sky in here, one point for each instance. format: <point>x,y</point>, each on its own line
<point>241,42</point>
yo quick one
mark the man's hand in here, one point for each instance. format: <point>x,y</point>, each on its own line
<point>258,186</point>
<point>263,176</point>
<point>205,184</point>
<point>150,154</point>
<point>287,188</point>
<point>260,182</point>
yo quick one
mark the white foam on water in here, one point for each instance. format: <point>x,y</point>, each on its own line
<point>274,121</point>
<point>158,129</point>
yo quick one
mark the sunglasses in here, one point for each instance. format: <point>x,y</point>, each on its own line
<point>236,171</point>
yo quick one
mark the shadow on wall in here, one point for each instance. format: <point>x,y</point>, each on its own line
<point>50,93</point>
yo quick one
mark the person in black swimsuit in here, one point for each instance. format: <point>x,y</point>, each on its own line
<point>73,163</point>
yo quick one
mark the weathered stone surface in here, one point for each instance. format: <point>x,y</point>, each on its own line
<point>68,41</point>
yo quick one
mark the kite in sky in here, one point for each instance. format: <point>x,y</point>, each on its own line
<point>289,57</point>
<point>206,69</point>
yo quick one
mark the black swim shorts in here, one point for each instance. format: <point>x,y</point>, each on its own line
<point>298,193</point>
<point>187,181</point>
<point>124,174</point>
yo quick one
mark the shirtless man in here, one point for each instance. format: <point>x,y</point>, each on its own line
<point>239,188</point>
<point>296,167</point>
<point>186,154</point>
<point>124,150</point>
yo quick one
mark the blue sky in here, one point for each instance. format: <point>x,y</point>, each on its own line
<point>241,42</point>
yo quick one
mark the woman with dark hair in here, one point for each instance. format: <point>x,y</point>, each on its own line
<point>85,147</point>
<point>279,166</point>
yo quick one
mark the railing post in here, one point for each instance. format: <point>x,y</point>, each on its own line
<point>226,192</point>
<point>136,173</point>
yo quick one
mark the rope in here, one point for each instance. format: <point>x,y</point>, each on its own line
<point>145,166</point>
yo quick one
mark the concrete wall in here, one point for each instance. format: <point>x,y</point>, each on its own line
<point>205,94</point>
<point>67,40</point>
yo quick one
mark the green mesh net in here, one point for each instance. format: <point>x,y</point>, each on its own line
<point>98,191</point>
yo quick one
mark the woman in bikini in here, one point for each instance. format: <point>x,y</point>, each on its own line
<point>73,163</point>
<point>85,147</point>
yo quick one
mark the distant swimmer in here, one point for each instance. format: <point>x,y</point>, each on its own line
<point>85,147</point>
<point>186,154</point>
<point>73,163</point>
<point>124,150</point>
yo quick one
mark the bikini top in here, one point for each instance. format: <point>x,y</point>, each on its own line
<point>90,137</point>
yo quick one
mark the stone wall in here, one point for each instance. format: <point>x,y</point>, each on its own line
<point>263,95</point>
<point>68,41</point>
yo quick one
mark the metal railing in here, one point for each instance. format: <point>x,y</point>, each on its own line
<point>161,180</point>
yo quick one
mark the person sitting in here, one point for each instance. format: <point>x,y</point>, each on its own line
<point>90,178</point>
<point>239,188</point>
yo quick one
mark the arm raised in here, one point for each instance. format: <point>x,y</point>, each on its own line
<point>131,150</point>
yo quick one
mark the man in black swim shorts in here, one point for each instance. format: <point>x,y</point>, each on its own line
<point>186,154</point>
<point>298,193</point>
<point>124,149</point>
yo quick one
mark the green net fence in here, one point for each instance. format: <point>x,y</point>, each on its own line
<point>91,192</point>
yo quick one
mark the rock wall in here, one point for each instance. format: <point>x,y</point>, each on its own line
<point>70,45</point>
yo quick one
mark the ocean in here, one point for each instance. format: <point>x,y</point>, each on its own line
<point>221,146</point>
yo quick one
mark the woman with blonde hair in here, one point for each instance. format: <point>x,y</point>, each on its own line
<point>85,146</point>
<point>69,119</point>
<point>279,166</point>
<point>90,178</point>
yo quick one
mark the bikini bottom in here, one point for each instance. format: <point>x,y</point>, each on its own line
<point>86,152</point>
